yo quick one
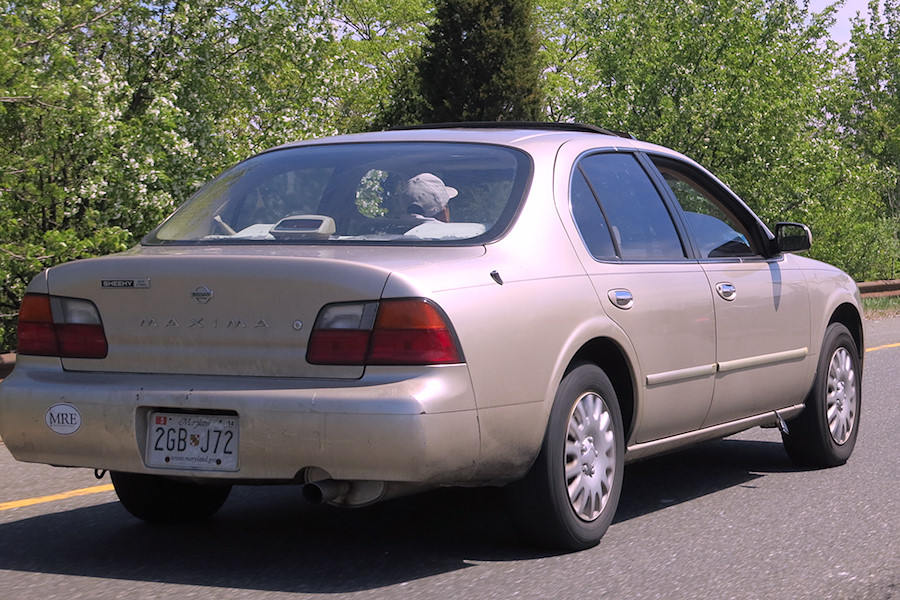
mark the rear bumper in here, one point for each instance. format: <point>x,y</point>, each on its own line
<point>394,424</point>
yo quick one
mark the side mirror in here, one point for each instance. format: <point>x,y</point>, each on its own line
<point>792,237</point>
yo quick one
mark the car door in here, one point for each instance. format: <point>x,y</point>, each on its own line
<point>761,302</point>
<point>647,285</point>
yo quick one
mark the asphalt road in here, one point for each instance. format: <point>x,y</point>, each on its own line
<point>726,519</point>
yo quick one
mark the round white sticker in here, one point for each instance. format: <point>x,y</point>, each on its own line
<point>64,419</point>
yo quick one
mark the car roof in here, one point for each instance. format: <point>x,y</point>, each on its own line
<point>528,136</point>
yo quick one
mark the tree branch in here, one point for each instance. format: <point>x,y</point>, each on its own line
<point>20,257</point>
<point>29,100</point>
<point>65,29</point>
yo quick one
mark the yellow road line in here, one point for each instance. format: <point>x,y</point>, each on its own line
<point>885,347</point>
<point>74,493</point>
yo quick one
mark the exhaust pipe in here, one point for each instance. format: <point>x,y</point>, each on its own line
<point>326,490</point>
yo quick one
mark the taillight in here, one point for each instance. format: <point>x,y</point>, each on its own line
<point>341,334</point>
<point>411,332</point>
<point>391,332</point>
<point>63,327</point>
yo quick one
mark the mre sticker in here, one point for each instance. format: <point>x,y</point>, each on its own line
<point>64,419</point>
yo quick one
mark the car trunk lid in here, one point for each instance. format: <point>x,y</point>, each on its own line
<point>237,312</point>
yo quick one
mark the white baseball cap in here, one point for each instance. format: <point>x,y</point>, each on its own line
<point>427,193</point>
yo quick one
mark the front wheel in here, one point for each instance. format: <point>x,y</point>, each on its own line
<point>158,499</point>
<point>824,434</point>
<point>569,497</point>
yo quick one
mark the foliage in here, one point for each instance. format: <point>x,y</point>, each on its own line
<point>111,112</point>
<point>872,116</point>
<point>480,62</point>
<point>881,307</point>
<point>379,45</point>
<point>749,88</point>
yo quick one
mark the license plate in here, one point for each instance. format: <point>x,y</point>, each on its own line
<point>194,442</point>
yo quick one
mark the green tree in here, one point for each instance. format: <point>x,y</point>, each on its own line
<point>749,88</point>
<point>873,115</point>
<point>480,62</point>
<point>379,46</point>
<point>112,112</point>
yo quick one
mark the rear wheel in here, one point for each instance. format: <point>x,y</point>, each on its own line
<point>824,434</point>
<point>158,499</point>
<point>569,497</point>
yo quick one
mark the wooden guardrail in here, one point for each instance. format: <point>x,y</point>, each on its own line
<point>883,287</point>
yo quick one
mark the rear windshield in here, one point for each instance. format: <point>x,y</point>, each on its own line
<point>392,193</point>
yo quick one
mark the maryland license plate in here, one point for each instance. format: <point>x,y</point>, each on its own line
<point>194,442</point>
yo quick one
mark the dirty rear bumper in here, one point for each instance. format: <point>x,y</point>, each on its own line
<point>395,424</point>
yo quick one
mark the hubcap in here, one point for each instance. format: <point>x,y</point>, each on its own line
<point>841,397</point>
<point>590,456</point>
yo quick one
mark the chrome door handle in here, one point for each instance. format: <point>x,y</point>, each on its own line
<point>727,291</point>
<point>621,299</point>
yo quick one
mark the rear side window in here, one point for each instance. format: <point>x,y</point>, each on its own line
<point>371,193</point>
<point>590,219</point>
<point>613,199</point>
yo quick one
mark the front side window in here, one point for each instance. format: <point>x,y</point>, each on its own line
<point>386,193</point>
<point>617,193</point>
<point>715,229</point>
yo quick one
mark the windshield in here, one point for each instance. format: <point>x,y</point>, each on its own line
<point>410,193</point>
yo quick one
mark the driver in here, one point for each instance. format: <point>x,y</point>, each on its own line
<point>428,197</point>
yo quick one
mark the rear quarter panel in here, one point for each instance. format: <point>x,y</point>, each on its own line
<point>517,337</point>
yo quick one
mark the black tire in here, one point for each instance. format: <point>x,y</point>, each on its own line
<point>158,499</point>
<point>824,434</point>
<point>581,452</point>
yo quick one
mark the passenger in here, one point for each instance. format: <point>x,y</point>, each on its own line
<point>428,197</point>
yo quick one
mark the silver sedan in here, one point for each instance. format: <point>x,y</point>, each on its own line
<point>529,306</point>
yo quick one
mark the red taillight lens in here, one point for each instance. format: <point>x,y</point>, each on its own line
<point>412,332</point>
<point>392,332</point>
<point>36,334</point>
<point>81,341</point>
<point>338,347</point>
<point>64,327</point>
